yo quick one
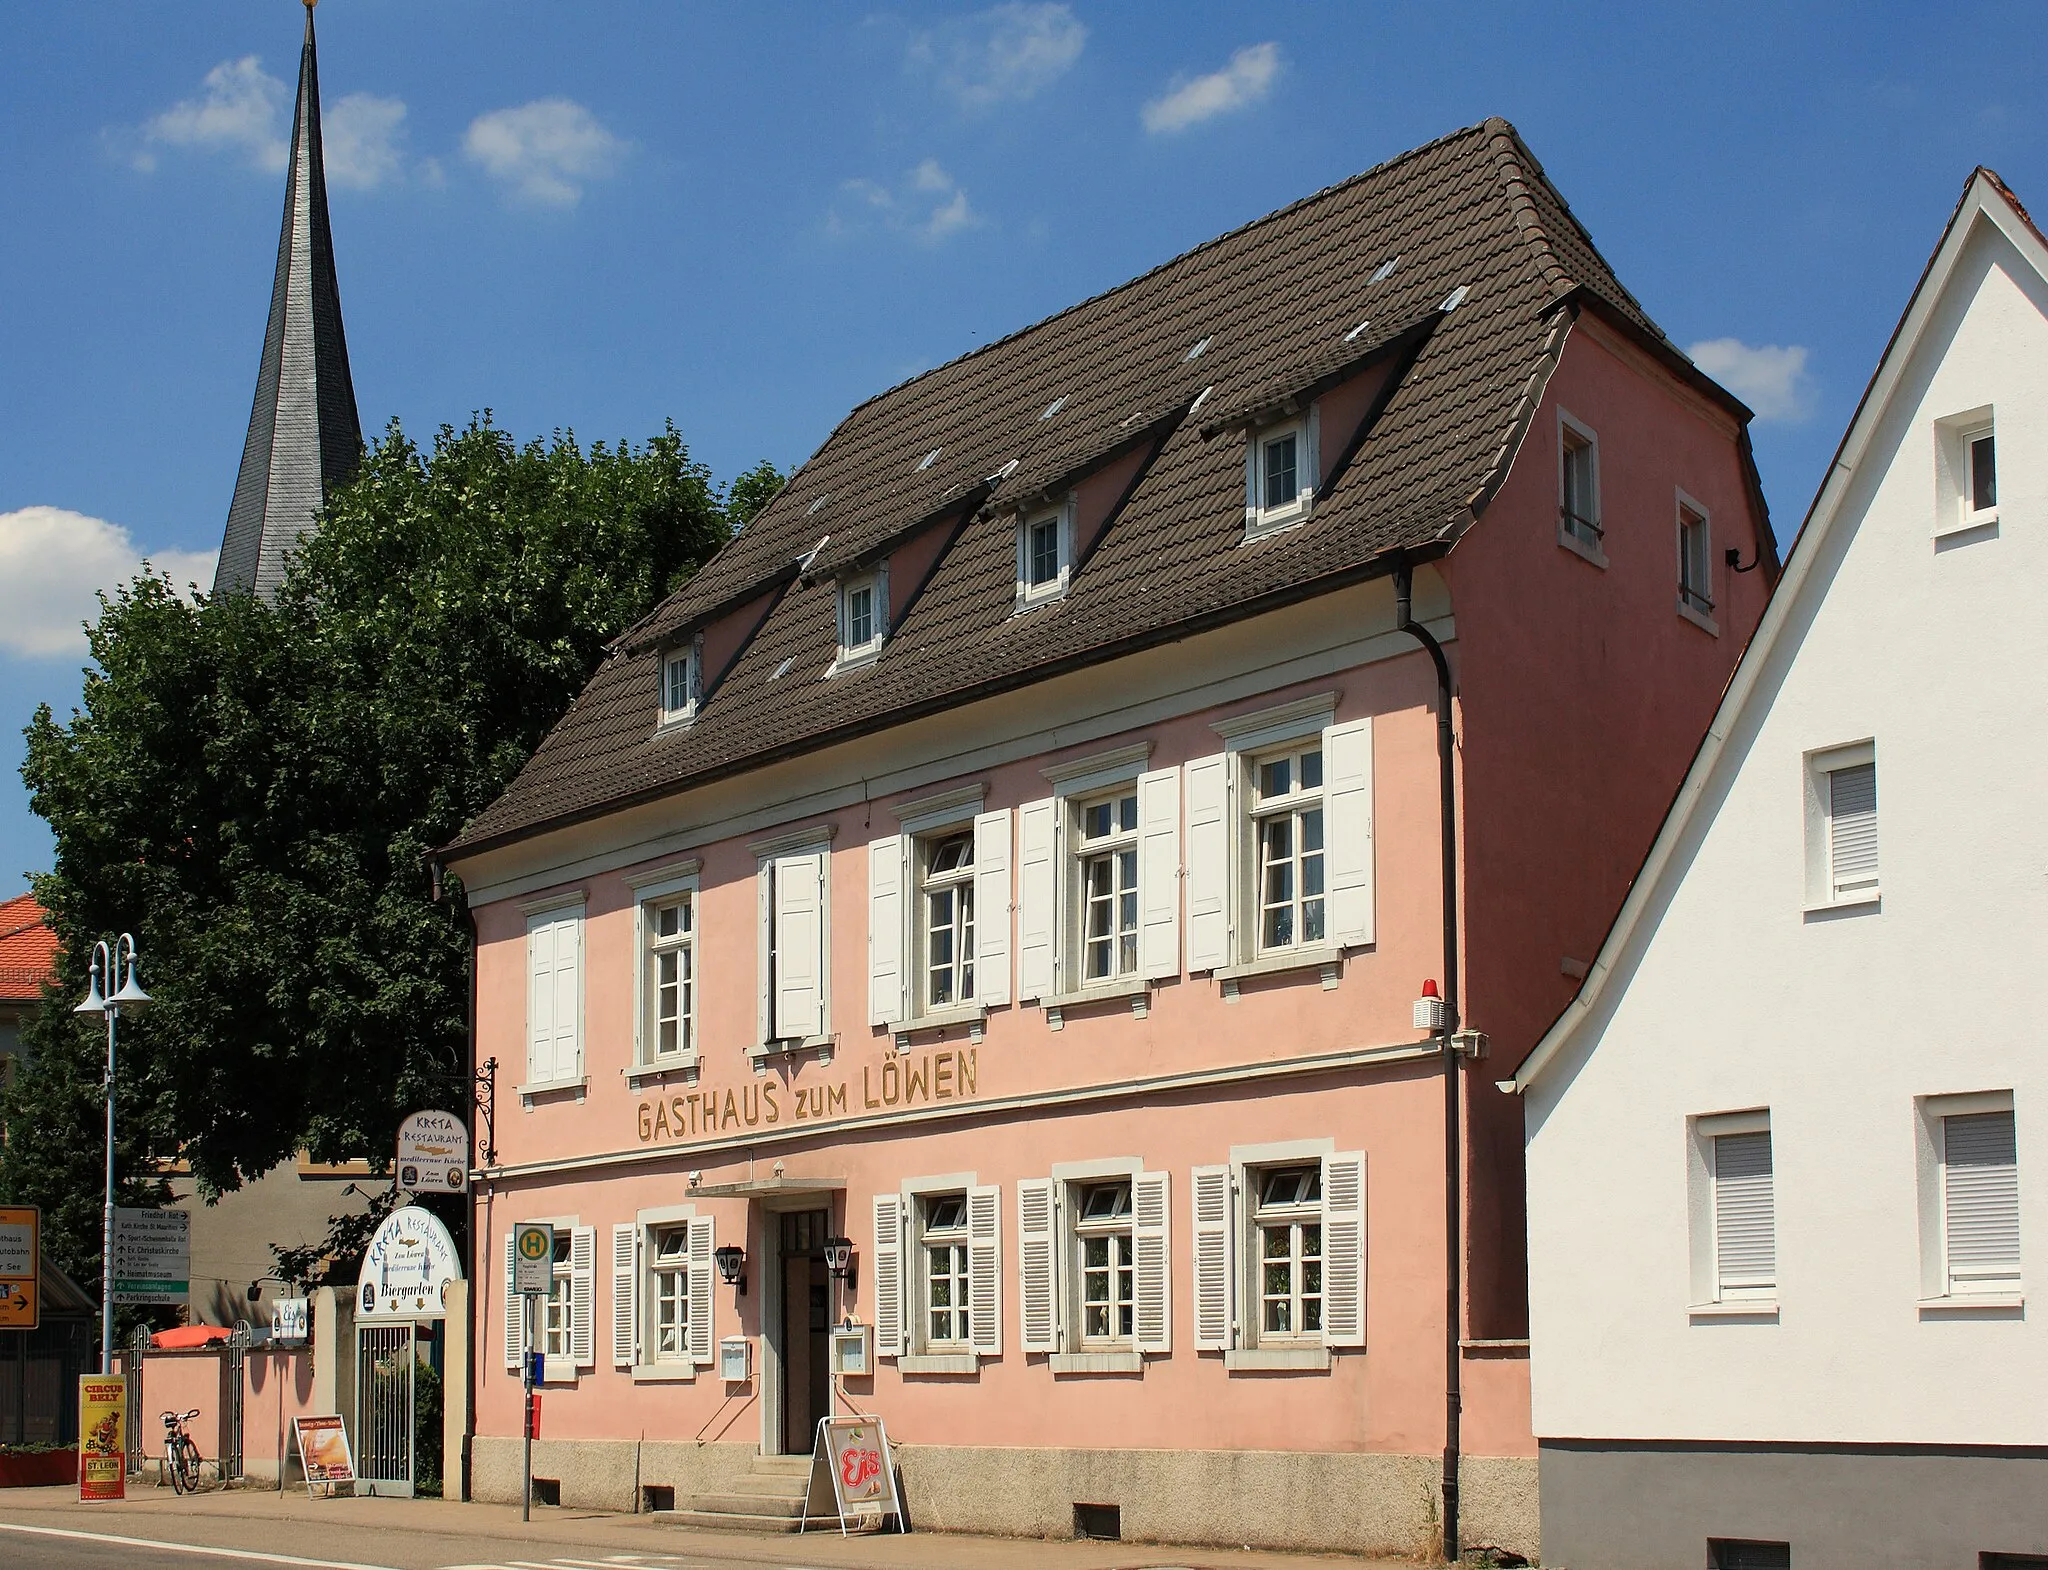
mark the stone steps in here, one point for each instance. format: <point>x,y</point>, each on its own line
<point>769,1498</point>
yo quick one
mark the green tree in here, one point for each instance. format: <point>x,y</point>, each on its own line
<point>252,788</point>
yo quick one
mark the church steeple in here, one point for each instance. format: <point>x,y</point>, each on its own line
<point>304,434</point>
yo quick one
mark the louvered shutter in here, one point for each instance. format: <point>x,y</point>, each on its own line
<point>625,1282</point>
<point>1208,881</point>
<point>515,1311</point>
<point>1038,1265</point>
<point>1745,1216</point>
<point>1347,771</point>
<point>1344,1249</point>
<point>1852,827</point>
<point>568,1060</point>
<point>886,1004</point>
<point>582,1296</point>
<point>985,1268</point>
<point>1214,1291</point>
<point>703,1274</point>
<point>799,945</point>
<point>1981,1201</point>
<point>1159,874</point>
<point>540,999</point>
<point>1151,1277</point>
<point>888,1276</point>
<point>992,907</point>
<point>1037,822</point>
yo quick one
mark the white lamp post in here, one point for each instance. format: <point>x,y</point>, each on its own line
<point>106,965</point>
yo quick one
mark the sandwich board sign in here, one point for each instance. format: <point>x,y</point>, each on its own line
<point>21,1257</point>
<point>855,1450</point>
<point>433,1153</point>
<point>324,1454</point>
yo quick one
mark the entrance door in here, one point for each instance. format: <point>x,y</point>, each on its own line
<point>806,1328</point>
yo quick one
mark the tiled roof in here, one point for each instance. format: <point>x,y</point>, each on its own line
<point>28,950</point>
<point>1274,302</point>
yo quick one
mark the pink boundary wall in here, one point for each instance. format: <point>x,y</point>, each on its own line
<point>276,1387</point>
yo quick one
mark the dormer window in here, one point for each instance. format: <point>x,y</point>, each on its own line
<point>863,617</point>
<point>1280,476</point>
<point>679,685</point>
<point>1045,555</point>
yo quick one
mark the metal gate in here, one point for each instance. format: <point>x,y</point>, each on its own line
<point>384,1367</point>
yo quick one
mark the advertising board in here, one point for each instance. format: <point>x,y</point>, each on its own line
<point>21,1257</point>
<point>102,1437</point>
<point>433,1153</point>
<point>323,1452</point>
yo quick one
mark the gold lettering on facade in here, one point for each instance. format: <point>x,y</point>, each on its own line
<point>948,1074</point>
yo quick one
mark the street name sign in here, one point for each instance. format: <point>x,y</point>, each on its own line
<point>152,1256</point>
<point>433,1153</point>
<point>21,1256</point>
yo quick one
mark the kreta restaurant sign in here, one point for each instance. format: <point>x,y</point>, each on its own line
<point>407,1269</point>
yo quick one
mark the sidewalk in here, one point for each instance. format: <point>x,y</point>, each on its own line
<point>421,1534</point>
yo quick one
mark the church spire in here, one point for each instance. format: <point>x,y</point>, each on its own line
<point>304,434</point>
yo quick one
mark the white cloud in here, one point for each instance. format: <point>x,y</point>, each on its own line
<point>927,203</point>
<point>360,141</point>
<point>1004,55</point>
<point>1247,79</point>
<point>544,151</point>
<point>240,108</point>
<point>1770,378</point>
<point>54,562</point>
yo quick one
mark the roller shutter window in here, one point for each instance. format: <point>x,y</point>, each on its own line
<point>1980,1202</point>
<point>1852,829</point>
<point>1745,1217</point>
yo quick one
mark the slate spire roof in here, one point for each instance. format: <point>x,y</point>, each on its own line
<point>304,435</point>
<point>1356,275</point>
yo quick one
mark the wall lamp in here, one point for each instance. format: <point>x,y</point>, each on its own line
<point>732,1266</point>
<point>839,1259</point>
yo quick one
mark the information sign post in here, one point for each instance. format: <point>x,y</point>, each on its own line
<point>533,1271</point>
<point>21,1257</point>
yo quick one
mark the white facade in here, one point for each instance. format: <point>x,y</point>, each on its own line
<point>1753,976</point>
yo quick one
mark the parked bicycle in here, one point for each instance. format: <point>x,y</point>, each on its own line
<point>181,1455</point>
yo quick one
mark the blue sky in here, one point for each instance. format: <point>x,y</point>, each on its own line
<point>746,219</point>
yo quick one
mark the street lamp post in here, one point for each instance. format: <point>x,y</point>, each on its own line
<point>100,998</point>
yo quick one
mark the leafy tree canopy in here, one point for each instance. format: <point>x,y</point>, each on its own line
<point>251,789</point>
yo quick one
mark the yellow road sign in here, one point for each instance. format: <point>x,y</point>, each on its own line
<point>21,1274</point>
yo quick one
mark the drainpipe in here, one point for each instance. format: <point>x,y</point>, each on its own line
<point>1453,1251</point>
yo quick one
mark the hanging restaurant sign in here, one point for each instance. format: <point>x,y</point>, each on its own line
<point>433,1153</point>
<point>407,1268</point>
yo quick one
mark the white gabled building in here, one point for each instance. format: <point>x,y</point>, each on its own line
<point>1788,1149</point>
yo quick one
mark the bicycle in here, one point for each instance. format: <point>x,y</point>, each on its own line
<point>181,1455</point>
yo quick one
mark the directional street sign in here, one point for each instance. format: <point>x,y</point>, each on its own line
<point>533,1263</point>
<point>152,1256</point>
<point>21,1296</point>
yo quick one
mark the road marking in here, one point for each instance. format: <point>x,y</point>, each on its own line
<point>190,1548</point>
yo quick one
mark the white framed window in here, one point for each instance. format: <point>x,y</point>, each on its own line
<point>671,975</point>
<point>1279,1266</point>
<point>1045,554</point>
<point>863,617</point>
<point>945,1291</point>
<point>1732,1200</point>
<point>668,1294</point>
<point>554,995</point>
<point>1092,1259</point>
<point>1966,471</point>
<point>939,910</point>
<point>945,867</point>
<point>1281,474</point>
<point>1841,825</point>
<point>1105,1268</point>
<point>563,1331</point>
<point>1579,527</point>
<point>938,1273</point>
<point>1290,899</point>
<point>1106,885</point>
<point>1969,1199</point>
<point>1695,564</point>
<point>680,682</point>
<point>662,1278</point>
<point>795,921</point>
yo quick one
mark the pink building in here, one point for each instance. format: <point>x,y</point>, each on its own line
<point>1019,852</point>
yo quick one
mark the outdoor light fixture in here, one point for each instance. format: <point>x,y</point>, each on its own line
<point>107,966</point>
<point>732,1266</point>
<point>839,1257</point>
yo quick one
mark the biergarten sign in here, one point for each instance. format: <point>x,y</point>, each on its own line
<point>899,1082</point>
<point>433,1153</point>
<point>407,1268</point>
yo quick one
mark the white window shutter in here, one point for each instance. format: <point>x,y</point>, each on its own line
<point>799,945</point>
<point>885,930</point>
<point>888,1276</point>
<point>992,907</point>
<point>1981,1201</point>
<point>515,1312</point>
<point>568,998</point>
<point>540,999</point>
<point>1852,827</point>
<point>703,1275</point>
<point>1344,1249</point>
<point>1745,1219</point>
<point>1038,1265</point>
<point>1037,825</point>
<point>985,1268</point>
<point>1208,881</point>
<point>625,1284</point>
<point>1152,1296</point>
<point>1214,1288</point>
<point>1159,874</point>
<point>582,1296</point>
<point>1347,770</point>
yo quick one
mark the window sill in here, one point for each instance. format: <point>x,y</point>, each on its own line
<point>1263,524</point>
<point>1043,594</point>
<point>762,1051</point>
<point>1134,990</point>
<point>1698,618</point>
<point>1759,1308</point>
<point>1962,1304</point>
<point>684,1063</point>
<point>973,1015</point>
<point>1579,548</point>
<point>664,1374</point>
<point>939,1363</point>
<point>1106,1362</point>
<point>528,1093</point>
<point>1329,960</point>
<point>1987,519</point>
<point>854,659</point>
<point>1822,909</point>
<point>1300,1359</point>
